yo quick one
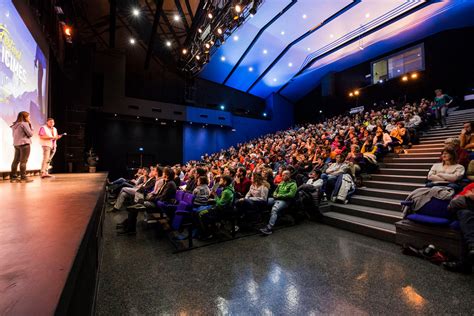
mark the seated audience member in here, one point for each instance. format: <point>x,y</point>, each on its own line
<point>398,135</point>
<point>241,182</point>
<point>466,138</point>
<point>332,172</point>
<point>283,195</point>
<point>166,194</point>
<point>256,197</point>
<point>462,154</point>
<point>315,179</point>
<point>201,192</point>
<point>191,180</point>
<point>267,174</point>
<point>129,193</point>
<point>115,186</point>
<point>463,205</point>
<point>354,160</point>
<point>223,205</point>
<point>382,141</point>
<point>447,172</point>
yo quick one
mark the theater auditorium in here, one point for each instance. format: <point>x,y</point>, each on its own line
<point>236,157</point>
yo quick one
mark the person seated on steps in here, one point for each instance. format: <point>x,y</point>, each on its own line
<point>446,173</point>
<point>467,138</point>
<point>283,195</point>
<point>166,194</point>
<point>463,206</point>
<point>332,172</point>
<point>255,199</point>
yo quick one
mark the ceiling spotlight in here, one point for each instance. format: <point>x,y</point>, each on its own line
<point>236,38</point>
<point>222,107</point>
<point>274,79</point>
<point>250,69</point>
<point>381,81</point>
<point>199,30</point>
<point>223,58</point>
<point>184,51</point>
<point>331,35</point>
<point>211,42</point>
<point>176,17</point>
<point>207,45</point>
<point>132,41</point>
<point>168,43</point>
<point>367,15</point>
<point>320,111</point>
<point>308,49</point>
<point>405,78</point>
<point>115,114</point>
<point>351,94</point>
<point>265,52</point>
<point>356,92</point>
<point>156,119</point>
<point>238,8</point>
<point>209,15</point>
<point>135,12</point>
<point>251,15</point>
<point>68,30</point>
<point>264,114</point>
<point>304,16</point>
<point>198,57</point>
<point>290,64</point>
<point>219,31</point>
<point>282,32</point>
<point>414,75</point>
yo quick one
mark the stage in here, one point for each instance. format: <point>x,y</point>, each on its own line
<point>50,236</point>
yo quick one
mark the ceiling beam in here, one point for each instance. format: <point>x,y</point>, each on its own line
<point>154,28</point>
<point>195,23</point>
<point>190,10</point>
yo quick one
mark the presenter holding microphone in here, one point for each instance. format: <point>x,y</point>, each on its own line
<point>48,138</point>
<point>22,133</point>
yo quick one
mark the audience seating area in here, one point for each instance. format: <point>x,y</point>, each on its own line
<point>386,153</point>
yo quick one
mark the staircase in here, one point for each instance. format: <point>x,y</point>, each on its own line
<point>375,207</point>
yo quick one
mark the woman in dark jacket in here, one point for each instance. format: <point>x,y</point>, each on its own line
<point>22,133</point>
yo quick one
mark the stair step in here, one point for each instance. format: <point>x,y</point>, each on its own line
<point>415,154</point>
<point>414,160</point>
<point>427,146</point>
<point>454,129</point>
<point>409,165</point>
<point>442,138</point>
<point>432,142</point>
<point>416,150</point>
<point>400,178</point>
<point>372,213</point>
<point>376,229</point>
<point>376,202</point>
<point>390,194</point>
<point>404,186</point>
<point>398,171</point>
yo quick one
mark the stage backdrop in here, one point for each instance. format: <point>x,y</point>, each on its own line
<point>23,83</point>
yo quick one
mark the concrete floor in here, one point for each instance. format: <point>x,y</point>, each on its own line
<point>306,269</point>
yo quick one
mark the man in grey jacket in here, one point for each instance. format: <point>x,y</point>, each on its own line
<point>22,133</point>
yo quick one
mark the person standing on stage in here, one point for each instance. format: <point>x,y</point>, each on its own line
<point>48,138</point>
<point>22,133</point>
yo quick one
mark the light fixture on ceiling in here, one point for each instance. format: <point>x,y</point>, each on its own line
<point>236,38</point>
<point>184,51</point>
<point>282,32</point>
<point>265,51</point>
<point>210,15</point>
<point>290,64</point>
<point>168,43</point>
<point>135,12</point>
<point>176,17</point>
<point>250,69</point>
<point>198,57</point>
<point>207,45</point>
<point>264,114</point>
<point>219,31</point>
<point>414,75</point>
<point>304,16</point>
<point>238,8</point>
<point>405,78</point>
<point>308,49</point>
<point>199,30</point>
<point>274,79</point>
<point>331,35</point>
<point>367,15</point>
<point>222,107</point>
<point>132,41</point>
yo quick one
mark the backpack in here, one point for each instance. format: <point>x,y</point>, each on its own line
<point>343,189</point>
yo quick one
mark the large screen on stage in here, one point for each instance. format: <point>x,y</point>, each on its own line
<point>23,83</point>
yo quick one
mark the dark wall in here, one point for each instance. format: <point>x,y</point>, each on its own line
<point>449,65</point>
<point>117,142</point>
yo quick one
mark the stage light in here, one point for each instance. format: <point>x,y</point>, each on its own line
<point>304,16</point>
<point>222,107</point>
<point>356,92</point>
<point>238,8</point>
<point>184,51</point>
<point>138,117</point>
<point>67,30</point>
<point>290,64</point>
<point>207,45</point>
<point>265,51</point>
<point>168,43</point>
<point>320,111</point>
<point>209,15</point>
<point>405,78</point>
<point>156,119</point>
<point>135,12</point>
<point>132,41</point>
<point>351,94</point>
<point>219,31</point>
<point>174,121</point>
<point>176,17</point>
<point>250,69</point>
<point>414,75</point>
<point>223,58</point>
<point>198,57</point>
<point>211,42</point>
<point>199,30</point>
<point>115,114</point>
<point>264,114</point>
<point>380,81</point>
<point>236,38</point>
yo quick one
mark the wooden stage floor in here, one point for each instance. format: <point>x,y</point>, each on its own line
<point>41,228</point>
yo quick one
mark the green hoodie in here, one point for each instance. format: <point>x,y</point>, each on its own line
<point>226,198</point>
<point>285,190</point>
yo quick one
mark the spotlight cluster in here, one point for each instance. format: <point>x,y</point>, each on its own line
<point>219,21</point>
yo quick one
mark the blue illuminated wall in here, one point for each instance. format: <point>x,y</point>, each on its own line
<point>198,140</point>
